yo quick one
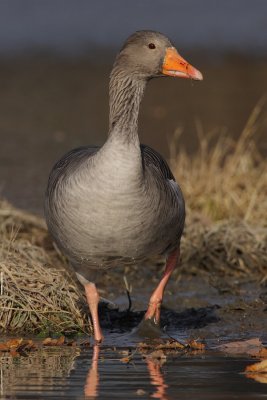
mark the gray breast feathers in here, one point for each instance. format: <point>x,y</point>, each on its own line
<point>88,219</point>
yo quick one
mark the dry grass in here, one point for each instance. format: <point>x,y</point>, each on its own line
<point>225,186</point>
<point>36,292</point>
<point>226,179</point>
<point>228,249</point>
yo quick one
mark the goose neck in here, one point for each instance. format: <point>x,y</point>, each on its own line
<point>126,92</point>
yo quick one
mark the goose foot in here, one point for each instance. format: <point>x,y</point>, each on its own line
<point>153,311</point>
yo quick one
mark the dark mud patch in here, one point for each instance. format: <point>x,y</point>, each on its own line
<point>123,321</point>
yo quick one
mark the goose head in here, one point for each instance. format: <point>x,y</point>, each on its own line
<point>149,54</point>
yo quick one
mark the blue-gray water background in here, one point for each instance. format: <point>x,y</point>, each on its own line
<point>76,25</point>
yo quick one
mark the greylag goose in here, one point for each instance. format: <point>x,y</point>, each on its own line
<point>119,203</point>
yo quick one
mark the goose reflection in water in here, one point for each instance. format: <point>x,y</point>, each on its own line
<point>92,380</point>
<point>91,386</point>
<point>157,379</point>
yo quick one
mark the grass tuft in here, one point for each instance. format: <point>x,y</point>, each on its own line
<point>37,294</point>
<point>224,179</point>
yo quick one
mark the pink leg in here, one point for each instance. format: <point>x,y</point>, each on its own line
<point>155,301</point>
<point>93,300</point>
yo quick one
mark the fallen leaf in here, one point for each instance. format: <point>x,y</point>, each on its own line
<point>257,371</point>
<point>13,343</point>
<point>263,353</point>
<point>125,360</point>
<point>129,356</point>
<point>54,342</point>
<point>61,341</point>
<point>261,378</point>
<point>17,345</point>
<point>257,367</point>
<point>193,344</point>
<point>251,347</point>
<point>47,341</point>
<point>3,347</point>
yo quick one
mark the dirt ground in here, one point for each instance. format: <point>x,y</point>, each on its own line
<point>216,309</point>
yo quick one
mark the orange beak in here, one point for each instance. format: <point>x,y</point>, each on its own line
<point>175,65</point>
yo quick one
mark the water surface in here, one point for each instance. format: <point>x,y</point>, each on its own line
<point>75,374</point>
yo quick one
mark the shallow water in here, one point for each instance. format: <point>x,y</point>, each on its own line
<point>69,373</point>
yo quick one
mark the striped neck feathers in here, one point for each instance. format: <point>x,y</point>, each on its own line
<point>125,95</point>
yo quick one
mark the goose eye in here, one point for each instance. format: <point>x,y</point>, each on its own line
<point>151,46</point>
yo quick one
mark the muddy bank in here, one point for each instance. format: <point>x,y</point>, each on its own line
<point>194,308</point>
